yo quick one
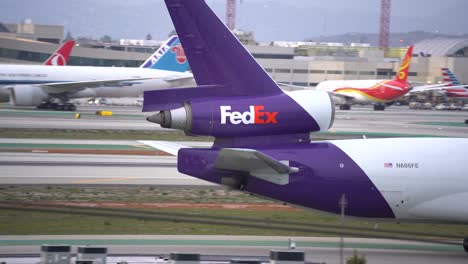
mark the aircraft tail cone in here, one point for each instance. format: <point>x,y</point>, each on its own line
<point>157,118</point>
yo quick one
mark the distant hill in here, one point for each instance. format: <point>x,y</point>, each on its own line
<point>407,39</point>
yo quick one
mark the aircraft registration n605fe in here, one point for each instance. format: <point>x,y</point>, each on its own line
<point>262,138</point>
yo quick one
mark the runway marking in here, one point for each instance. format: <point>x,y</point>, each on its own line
<point>107,180</point>
<point>143,146</point>
<point>39,151</point>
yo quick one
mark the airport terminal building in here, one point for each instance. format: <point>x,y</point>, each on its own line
<point>301,65</point>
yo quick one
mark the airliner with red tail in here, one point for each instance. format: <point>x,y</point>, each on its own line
<point>61,55</point>
<point>378,92</point>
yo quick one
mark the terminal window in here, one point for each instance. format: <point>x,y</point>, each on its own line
<point>299,83</point>
<point>367,73</point>
<point>283,70</point>
<point>350,72</point>
<point>334,72</point>
<point>300,71</point>
<point>317,71</point>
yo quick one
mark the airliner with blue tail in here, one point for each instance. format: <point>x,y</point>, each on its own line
<point>36,85</point>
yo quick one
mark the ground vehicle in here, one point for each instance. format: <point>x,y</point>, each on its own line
<point>455,107</point>
<point>414,105</point>
<point>418,105</point>
<point>442,106</point>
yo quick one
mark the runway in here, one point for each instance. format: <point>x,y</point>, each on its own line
<point>361,119</point>
<point>45,168</point>
<point>317,249</point>
<point>403,120</point>
<point>30,167</point>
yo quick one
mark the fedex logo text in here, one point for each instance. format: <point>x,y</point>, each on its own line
<point>255,115</point>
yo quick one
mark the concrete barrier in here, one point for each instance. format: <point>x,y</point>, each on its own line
<point>184,258</point>
<point>91,253</point>
<point>55,254</point>
<point>287,257</point>
<point>245,261</point>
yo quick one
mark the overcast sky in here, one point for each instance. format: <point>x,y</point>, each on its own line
<point>292,20</point>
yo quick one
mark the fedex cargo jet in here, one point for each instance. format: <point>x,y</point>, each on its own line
<point>378,92</point>
<point>262,138</point>
<point>36,85</point>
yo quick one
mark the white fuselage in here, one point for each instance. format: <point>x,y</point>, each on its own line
<point>332,85</point>
<point>427,179</point>
<point>11,75</point>
<point>352,97</point>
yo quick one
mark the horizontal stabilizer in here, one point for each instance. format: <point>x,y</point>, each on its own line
<point>169,147</point>
<point>256,164</point>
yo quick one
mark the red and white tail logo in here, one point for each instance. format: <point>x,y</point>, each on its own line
<point>60,57</point>
<point>180,54</point>
<point>57,60</point>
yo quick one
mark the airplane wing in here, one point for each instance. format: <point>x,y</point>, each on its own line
<point>256,164</point>
<point>290,87</point>
<point>434,87</point>
<point>341,96</point>
<point>169,147</point>
<point>175,78</point>
<point>63,87</point>
<point>393,87</point>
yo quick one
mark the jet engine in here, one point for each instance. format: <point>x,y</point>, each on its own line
<point>285,113</point>
<point>27,95</point>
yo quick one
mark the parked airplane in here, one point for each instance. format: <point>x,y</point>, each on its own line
<point>61,55</point>
<point>35,85</point>
<point>58,58</point>
<point>453,87</point>
<point>378,92</point>
<point>262,138</point>
<point>177,62</point>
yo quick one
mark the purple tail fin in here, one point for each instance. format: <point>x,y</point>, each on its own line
<point>216,56</point>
